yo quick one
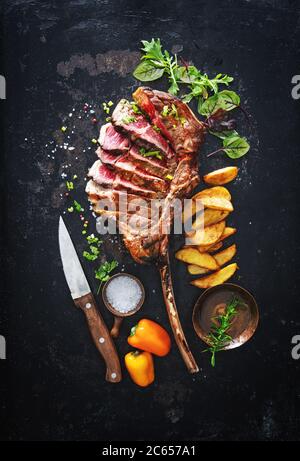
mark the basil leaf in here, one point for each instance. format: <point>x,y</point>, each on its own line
<point>235,146</point>
<point>147,72</point>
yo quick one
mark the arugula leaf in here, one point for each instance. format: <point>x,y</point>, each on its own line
<point>152,50</point>
<point>235,146</point>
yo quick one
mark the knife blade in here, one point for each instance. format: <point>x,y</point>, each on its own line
<point>84,299</point>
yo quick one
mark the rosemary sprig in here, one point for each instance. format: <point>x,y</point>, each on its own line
<point>218,336</point>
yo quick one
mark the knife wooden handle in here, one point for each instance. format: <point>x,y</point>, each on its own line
<point>101,337</point>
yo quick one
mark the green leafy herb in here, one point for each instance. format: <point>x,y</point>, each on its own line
<point>128,119</point>
<point>151,153</point>
<point>235,146</point>
<point>147,72</point>
<point>158,130</point>
<point>226,100</point>
<point>78,207</point>
<point>103,272</point>
<point>155,63</point>
<point>70,185</point>
<point>204,90</point>
<point>218,336</point>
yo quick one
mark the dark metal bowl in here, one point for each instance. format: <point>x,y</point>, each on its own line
<point>241,331</point>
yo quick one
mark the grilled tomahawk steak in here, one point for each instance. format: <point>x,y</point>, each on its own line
<point>149,151</point>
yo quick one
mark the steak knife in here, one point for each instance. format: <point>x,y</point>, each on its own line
<point>84,299</point>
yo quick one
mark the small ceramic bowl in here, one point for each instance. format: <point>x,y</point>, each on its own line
<point>117,314</point>
<point>213,302</point>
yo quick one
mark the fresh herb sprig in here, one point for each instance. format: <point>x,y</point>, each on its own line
<point>211,102</point>
<point>103,272</point>
<point>218,336</point>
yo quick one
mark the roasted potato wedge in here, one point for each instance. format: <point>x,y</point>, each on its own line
<point>217,192</point>
<point>226,255</point>
<point>193,256</point>
<point>212,248</point>
<point>209,218</point>
<point>207,236</point>
<point>216,278</point>
<point>216,203</point>
<point>222,176</point>
<point>197,270</point>
<point>228,231</point>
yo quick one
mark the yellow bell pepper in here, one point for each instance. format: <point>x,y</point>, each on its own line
<point>140,367</point>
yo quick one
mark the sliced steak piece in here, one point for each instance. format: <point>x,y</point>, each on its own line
<point>102,175</point>
<point>132,172</point>
<point>173,117</point>
<point>139,130</point>
<point>112,140</point>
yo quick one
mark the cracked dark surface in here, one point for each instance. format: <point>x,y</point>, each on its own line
<point>57,55</point>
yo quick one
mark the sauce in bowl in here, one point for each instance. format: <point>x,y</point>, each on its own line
<point>213,302</point>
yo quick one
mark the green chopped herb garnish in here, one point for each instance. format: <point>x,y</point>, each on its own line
<point>155,128</point>
<point>75,176</point>
<point>78,207</point>
<point>63,129</point>
<point>70,209</point>
<point>151,153</point>
<point>91,239</point>
<point>135,108</point>
<point>103,272</point>
<point>110,103</point>
<point>89,256</point>
<point>128,119</point>
<point>94,141</point>
<point>169,177</point>
<point>70,185</point>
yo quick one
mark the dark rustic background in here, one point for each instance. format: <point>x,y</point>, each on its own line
<point>56,56</point>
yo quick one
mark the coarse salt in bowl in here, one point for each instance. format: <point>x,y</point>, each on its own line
<point>123,293</point>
